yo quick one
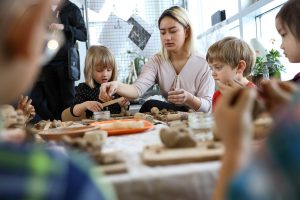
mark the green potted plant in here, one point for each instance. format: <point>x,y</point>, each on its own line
<point>138,60</point>
<point>135,69</point>
<point>269,63</point>
<point>135,66</point>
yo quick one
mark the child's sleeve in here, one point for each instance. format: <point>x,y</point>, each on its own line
<point>80,96</point>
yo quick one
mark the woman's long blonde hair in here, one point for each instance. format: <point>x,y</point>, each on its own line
<point>181,16</point>
<point>98,58</point>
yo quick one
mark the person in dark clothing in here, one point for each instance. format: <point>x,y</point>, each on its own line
<point>85,95</point>
<point>100,67</point>
<point>146,107</point>
<point>38,94</point>
<point>55,91</point>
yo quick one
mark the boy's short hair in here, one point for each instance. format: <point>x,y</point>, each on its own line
<point>99,57</point>
<point>232,50</point>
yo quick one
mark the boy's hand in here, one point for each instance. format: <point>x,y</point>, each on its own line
<point>229,86</point>
<point>178,96</point>
<point>93,106</point>
<point>236,104</point>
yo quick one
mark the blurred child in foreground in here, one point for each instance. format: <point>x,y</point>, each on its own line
<point>28,171</point>
<point>274,172</point>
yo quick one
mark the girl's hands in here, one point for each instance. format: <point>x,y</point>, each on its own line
<point>93,106</point>
<point>178,96</point>
<point>24,104</point>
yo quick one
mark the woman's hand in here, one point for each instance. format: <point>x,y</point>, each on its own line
<point>24,104</point>
<point>178,96</point>
<point>107,90</point>
<point>124,102</point>
<point>93,106</point>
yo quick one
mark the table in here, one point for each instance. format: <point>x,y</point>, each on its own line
<point>177,182</point>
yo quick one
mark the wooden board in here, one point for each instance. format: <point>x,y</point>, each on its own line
<point>159,155</point>
<point>112,117</point>
<point>58,133</point>
<point>112,168</point>
<point>114,163</point>
<point>106,126</point>
<point>108,103</point>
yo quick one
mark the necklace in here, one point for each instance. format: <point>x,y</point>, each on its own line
<point>177,83</point>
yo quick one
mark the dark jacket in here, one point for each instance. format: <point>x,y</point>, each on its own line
<point>86,93</point>
<point>74,28</point>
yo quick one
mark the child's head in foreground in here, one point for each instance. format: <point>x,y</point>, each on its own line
<point>230,59</point>
<point>100,66</point>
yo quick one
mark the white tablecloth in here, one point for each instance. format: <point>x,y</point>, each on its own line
<point>177,182</point>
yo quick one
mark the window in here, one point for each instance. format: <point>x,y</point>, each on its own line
<point>246,19</point>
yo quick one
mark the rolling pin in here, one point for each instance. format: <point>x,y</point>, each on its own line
<point>112,102</point>
<point>178,116</point>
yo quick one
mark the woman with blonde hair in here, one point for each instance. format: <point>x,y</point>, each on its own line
<point>100,67</point>
<point>183,76</point>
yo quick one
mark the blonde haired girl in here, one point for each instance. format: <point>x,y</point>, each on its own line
<point>100,67</point>
<point>97,59</point>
